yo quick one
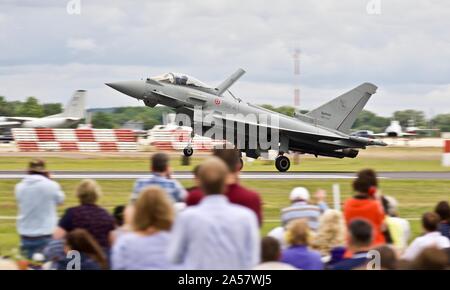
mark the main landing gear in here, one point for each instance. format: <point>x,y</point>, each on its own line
<point>282,163</point>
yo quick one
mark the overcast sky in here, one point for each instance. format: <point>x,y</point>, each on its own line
<point>404,50</point>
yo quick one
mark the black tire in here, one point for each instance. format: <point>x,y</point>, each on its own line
<point>188,151</point>
<point>282,163</point>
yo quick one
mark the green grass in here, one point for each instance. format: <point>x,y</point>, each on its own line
<point>381,159</point>
<point>415,197</point>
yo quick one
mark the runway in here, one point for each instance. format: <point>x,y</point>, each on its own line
<point>401,175</point>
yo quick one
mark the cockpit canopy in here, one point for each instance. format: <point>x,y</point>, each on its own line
<point>180,79</point>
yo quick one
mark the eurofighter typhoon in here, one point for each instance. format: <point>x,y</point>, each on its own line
<point>324,131</point>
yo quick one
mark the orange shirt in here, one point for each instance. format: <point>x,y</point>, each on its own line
<point>370,210</point>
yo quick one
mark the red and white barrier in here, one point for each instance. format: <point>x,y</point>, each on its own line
<point>83,140</point>
<point>170,137</point>
<point>446,154</point>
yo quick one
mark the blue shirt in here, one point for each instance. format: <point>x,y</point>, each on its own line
<point>302,258</point>
<point>444,228</point>
<point>137,252</point>
<point>215,234</point>
<point>357,260</point>
<point>37,198</point>
<point>173,188</point>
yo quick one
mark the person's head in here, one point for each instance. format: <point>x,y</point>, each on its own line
<point>160,162</point>
<point>331,232</point>
<point>299,194</point>
<point>118,215</point>
<point>366,182</point>
<point>430,222</point>
<point>88,191</point>
<point>390,205</point>
<point>37,166</point>
<point>298,233</point>
<point>388,258</point>
<point>153,209</point>
<point>231,157</point>
<point>212,176</point>
<point>431,258</point>
<point>270,249</point>
<point>360,235</point>
<point>443,210</point>
<point>82,241</point>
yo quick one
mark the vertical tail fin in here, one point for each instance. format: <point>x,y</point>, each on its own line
<point>75,108</point>
<point>341,112</point>
<point>229,81</point>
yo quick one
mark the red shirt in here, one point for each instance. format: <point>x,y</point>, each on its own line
<point>370,210</point>
<point>236,194</point>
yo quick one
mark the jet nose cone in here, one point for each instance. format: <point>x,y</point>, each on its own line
<point>135,89</point>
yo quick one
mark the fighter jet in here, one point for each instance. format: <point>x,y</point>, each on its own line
<point>72,113</point>
<point>324,131</point>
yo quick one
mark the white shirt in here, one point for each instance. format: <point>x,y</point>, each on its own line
<point>274,266</point>
<point>433,239</point>
<point>37,198</point>
<point>215,234</point>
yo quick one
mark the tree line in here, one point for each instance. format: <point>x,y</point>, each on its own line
<point>150,117</point>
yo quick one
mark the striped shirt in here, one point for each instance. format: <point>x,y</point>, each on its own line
<point>172,187</point>
<point>299,210</point>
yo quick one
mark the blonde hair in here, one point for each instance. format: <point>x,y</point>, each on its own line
<point>153,208</point>
<point>88,191</point>
<point>298,233</point>
<point>331,232</point>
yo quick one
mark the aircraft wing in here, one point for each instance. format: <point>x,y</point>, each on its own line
<point>9,124</point>
<point>72,119</point>
<point>333,140</point>
<point>18,119</point>
<point>379,135</point>
<point>404,134</point>
<point>294,133</point>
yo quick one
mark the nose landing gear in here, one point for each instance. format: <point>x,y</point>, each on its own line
<point>188,151</point>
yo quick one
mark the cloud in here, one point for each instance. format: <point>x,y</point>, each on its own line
<point>81,44</point>
<point>404,50</point>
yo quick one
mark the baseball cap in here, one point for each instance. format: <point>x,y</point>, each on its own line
<point>299,193</point>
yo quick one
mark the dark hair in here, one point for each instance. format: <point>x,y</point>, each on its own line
<point>231,157</point>
<point>160,162</point>
<point>388,258</point>
<point>443,210</point>
<point>361,233</point>
<point>270,249</point>
<point>431,258</point>
<point>430,221</point>
<point>364,180</point>
<point>82,241</point>
<point>118,214</point>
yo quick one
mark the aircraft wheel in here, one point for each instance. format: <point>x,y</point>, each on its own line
<point>188,151</point>
<point>282,163</point>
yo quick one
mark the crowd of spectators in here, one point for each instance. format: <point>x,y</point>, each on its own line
<point>216,225</point>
